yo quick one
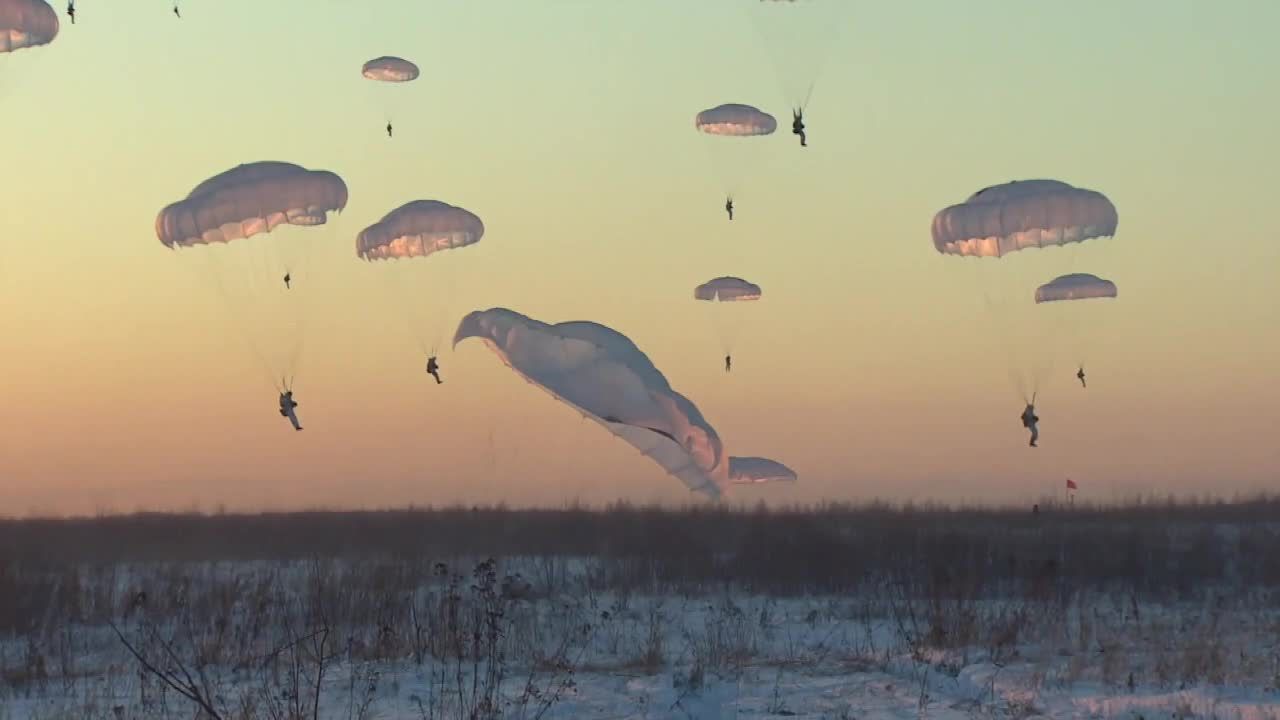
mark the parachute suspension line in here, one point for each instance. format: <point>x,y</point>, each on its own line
<point>262,276</point>
<point>796,56</point>
<point>728,323</point>
<point>804,104</point>
<point>277,258</point>
<point>445,307</point>
<point>1024,372</point>
<point>213,275</point>
<point>408,309</point>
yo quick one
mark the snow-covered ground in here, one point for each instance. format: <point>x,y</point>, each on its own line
<point>408,639</point>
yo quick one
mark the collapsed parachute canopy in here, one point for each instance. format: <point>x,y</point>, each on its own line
<point>1076,286</point>
<point>603,374</point>
<point>1023,214</point>
<point>417,229</point>
<point>736,120</point>
<point>727,289</point>
<point>251,199</point>
<point>25,24</point>
<point>600,372</point>
<point>390,69</point>
<point>753,470</point>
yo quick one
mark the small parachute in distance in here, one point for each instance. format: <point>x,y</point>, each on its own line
<point>755,470</point>
<point>389,68</point>
<point>250,199</point>
<point>1076,286</point>
<point>727,319</point>
<point>26,24</point>
<point>1023,214</point>
<point>727,289</point>
<point>735,120</point>
<point>418,229</point>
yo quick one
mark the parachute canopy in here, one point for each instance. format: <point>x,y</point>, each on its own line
<point>600,372</point>
<point>727,289</point>
<point>389,68</point>
<point>25,24</point>
<point>1076,286</point>
<point>1023,214</point>
<point>736,120</point>
<point>417,229</point>
<point>251,199</point>
<point>753,470</point>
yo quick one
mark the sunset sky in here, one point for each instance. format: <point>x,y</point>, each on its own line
<point>871,365</point>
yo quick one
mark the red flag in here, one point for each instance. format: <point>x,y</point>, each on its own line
<point>1071,484</point>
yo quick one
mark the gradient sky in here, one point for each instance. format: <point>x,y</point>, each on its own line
<point>567,126</point>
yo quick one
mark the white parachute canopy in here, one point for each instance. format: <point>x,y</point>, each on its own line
<point>732,137</point>
<point>727,289</point>
<point>735,120</point>
<point>418,229</point>
<point>26,24</point>
<point>389,68</point>
<point>1079,323</point>
<point>755,470</point>
<point>1023,214</point>
<point>1014,235</point>
<point>602,374</point>
<point>1076,286</point>
<point>411,242</point>
<point>248,228</point>
<point>728,297</point>
<point>389,73</point>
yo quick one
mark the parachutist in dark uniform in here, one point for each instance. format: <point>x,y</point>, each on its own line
<point>728,207</point>
<point>71,11</point>
<point>176,13</point>
<point>1080,376</point>
<point>1029,421</point>
<point>388,129</point>
<point>287,405</point>
<point>728,363</point>
<point>797,126</point>
<point>287,279</point>
<point>433,369</point>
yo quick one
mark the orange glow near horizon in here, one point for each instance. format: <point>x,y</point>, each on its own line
<point>868,365</point>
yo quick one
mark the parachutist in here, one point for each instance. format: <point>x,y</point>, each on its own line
<point>728,207</point>
<point>728,363</point>
<point>287,406</point>
<point>433,369</point>
<point>388,129</point>
<point>1029,421</point>
<point>797,126</point>
<point>71,11</point>
<point>1080,376</point>
<point>176,13</point>
<point>287,279</point>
